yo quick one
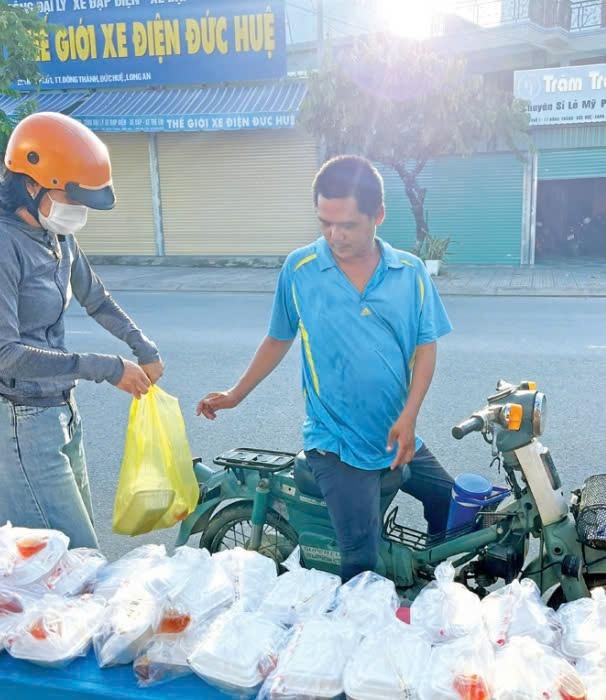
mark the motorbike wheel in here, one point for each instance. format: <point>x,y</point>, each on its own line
<point>592,580</point>
<point>231,527</point>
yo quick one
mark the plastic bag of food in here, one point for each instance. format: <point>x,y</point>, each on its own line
<point>388,664</point>
<point>126,628</point>
<point>446,610</point>
<point>595,686</point>
<point>8,551</point>
<point>313,661</point>
<point>55,631</point>
<point>238,652</point>
<point>32,555</point>
<point>460,670</point>
<point>182,620</point>
<point>592,669</point>
<point>75,573</point>
<point>251,574</point>
<point>157,487</point>
<point>13,606</point>
<point>131,569</point>
<point>369,601</point>
<point>527,670</point>
<point>165,658</point>
<point>169,575</point>
<point>517,610</point>
<point>299,594</point>
<point>201,592</point>
<point>583,625</point>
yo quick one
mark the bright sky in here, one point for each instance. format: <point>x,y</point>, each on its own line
<point>412,17</point>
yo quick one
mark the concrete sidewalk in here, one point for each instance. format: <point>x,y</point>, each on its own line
<point>574,280</point>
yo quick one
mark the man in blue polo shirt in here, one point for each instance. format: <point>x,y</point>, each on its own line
<point>369,317</point>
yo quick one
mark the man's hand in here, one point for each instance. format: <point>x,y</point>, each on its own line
<point>154,370</point>
<point>217,401</point>
<point>402,434</point>
<point>268,356</point>
<point>134,380</point>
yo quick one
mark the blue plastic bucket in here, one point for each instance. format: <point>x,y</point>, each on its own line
<point>471,493</point>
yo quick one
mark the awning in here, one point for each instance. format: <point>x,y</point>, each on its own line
<point>267,106</point>
<point>45,101</point>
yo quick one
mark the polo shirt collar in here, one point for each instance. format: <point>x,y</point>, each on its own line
<point>390,256</point>
<point>326,259</point>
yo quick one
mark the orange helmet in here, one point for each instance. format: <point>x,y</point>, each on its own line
<point>60,153</point>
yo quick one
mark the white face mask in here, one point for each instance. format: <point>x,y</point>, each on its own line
<point>64,218</point>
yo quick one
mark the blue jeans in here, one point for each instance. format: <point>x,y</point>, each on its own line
<point>43,476</point>
<point>353,498</point>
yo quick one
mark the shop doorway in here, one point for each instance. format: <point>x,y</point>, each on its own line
<point>571,220</point>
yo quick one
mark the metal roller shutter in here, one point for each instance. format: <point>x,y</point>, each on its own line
<point>476,201</point>
<point>129,228</point>
<point>572,163</point>
<point>237,193</point>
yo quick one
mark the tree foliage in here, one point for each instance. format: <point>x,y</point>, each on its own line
<point>19,29</point>
<point>401,104</point>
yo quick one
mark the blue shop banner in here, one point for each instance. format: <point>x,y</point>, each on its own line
<point>128,43</point>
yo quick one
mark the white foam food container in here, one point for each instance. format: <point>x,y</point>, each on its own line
<point>300,594</point>
<point>313,662</point>
<point>238,651</point>
<point>13,606</point>
<point>165,658</point>
<point>388,665</point>
<point>369,601</point>
<point>251,574</point>
<point>205,590</point>
<point>75,571</point>
<point>131,569</point>
<point>35,553</point>
<point>170,575</point>
<point>55,630</point>
<point>127,627</point>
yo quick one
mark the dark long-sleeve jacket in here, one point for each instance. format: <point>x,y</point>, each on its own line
<point>39,274</point>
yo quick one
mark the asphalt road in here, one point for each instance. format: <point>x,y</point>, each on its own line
<point>207,339</point>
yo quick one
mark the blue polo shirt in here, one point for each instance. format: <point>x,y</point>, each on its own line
<point>358,349</point>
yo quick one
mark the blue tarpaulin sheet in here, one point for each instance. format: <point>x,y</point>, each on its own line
<point>84,680</point>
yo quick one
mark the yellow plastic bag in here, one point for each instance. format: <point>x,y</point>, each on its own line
<point>157,486</point>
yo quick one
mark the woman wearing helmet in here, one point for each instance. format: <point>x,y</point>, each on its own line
<point>56,169</point>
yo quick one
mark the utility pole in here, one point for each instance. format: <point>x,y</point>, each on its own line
<point>320,31</point>
<point>321,143</point>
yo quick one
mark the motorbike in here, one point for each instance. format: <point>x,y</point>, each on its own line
<point>268,501</point>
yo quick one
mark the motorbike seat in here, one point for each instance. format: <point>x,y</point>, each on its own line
<point>304,479</point>
<point>306,484</point>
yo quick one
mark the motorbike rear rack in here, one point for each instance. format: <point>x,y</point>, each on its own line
<point>259,460</point>
<point>417,540</point>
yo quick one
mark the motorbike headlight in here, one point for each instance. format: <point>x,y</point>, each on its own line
<point>539,414</point>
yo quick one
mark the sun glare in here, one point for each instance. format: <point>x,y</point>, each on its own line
<point>413,18</point>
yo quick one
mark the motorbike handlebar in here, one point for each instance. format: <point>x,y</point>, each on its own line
<point>470,425</point>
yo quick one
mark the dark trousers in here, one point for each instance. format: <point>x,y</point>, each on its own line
<point>353,498</point>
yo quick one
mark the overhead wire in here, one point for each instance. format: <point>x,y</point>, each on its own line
<point>327,18</point>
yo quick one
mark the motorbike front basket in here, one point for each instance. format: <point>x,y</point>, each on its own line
<point>591,521</point>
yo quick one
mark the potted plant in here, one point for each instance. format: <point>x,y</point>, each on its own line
<point>432,252</point>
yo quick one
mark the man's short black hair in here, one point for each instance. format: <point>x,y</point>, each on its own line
<point>350,176</point>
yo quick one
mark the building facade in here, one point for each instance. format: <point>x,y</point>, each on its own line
<point>207,156</point>
<point>215,164</point>
<point>498,207</point>
<point>549,205</point>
